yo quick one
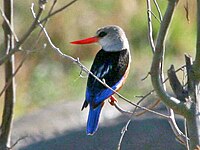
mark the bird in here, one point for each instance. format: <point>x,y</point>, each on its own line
<point>111,65</point>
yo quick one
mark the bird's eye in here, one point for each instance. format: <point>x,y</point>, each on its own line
<point>102,34</point>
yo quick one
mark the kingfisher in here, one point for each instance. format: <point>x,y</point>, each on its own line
<point>111,65</point>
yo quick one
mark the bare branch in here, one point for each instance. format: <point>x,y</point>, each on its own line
<point>189,63</point>
<point>156,67</point>
<point>197,57</point>
<point>23,39</point>
<point>179,135</point>
<point>150,29</point>
<point>50,11</point>
<point>157,75</point>
<point>154,15</point>
<point>186,134</point>
<point>19,140</point>
<point>144,78</point>
<point>31,29</point>
<point>13,75</point>
<point>158,9</point>
<point>57,11</point>
<point>9,98</point>
<point>180,93</point>
<point>8,23</point>
<point>123,131</point>
<point>151,106</point>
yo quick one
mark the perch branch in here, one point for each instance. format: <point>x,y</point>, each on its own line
<point>76,61</point>
<point>45,22</point>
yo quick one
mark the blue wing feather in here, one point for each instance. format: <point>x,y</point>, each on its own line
<point>99,97</point>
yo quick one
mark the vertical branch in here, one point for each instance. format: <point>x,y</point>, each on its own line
<point>197,81</point>
<point>193,119</point>
<point>9,100</point>
<point>158,9</point>
<point>197,57</point>
<point>150,30</point>
<point>156,67</point>
<point>180,136</point>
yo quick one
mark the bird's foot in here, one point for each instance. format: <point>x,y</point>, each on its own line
<point>112,100</point>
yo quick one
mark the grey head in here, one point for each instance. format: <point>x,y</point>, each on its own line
<point>112,38</point>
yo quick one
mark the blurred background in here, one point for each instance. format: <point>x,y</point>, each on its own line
<point>47,79</point>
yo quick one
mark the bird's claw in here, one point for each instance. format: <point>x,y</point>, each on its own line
<point>112,100</point>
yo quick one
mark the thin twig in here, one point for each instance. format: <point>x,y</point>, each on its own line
<point>8,23</point>
<point>50,11</point>
<point>158,9</point>
<point>44,24</point>
<point>30,30</point>
<point>179,135</point>
<point>123,111</point>
<point>144,78</point>
<point>19,140</point>
<point>149,107</point>
<point>186,134</point>
<point>123,131</point>
<point>13,75</point>
<point>23,39</point>
<point>150,28</point>
<point>154,15</point>
<point>125,128</point>
<point>57,11</point>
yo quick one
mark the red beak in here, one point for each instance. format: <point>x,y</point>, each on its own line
<point>86,41</point>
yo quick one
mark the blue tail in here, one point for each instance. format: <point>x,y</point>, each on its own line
<point>93,119</point>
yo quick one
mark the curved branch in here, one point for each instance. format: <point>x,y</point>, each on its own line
<point>156,67</point>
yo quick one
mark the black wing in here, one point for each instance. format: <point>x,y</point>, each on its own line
<point>108,66</point>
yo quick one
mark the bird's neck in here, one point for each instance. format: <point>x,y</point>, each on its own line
<point>116,46</point>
